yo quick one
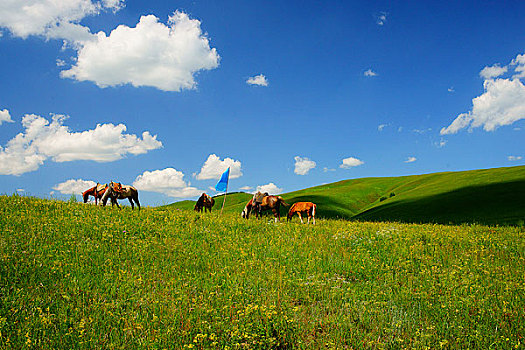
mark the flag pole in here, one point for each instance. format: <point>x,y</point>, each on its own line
<point>224,200</point>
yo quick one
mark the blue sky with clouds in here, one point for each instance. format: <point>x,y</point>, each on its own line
<point>165,95</point>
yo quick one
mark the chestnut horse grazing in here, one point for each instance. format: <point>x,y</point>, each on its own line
<point>268,202</point>
<point>116,191</point>
<point>307,208</point>
<point>96,191</point>
<point>205,202</point>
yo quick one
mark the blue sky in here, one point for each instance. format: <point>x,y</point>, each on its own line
<point>165,95</point>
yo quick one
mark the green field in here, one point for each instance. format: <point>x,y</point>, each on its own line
<point>491,196</point>
<point>76,276</point>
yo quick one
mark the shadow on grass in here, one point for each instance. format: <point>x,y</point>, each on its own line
<point>493,204</point>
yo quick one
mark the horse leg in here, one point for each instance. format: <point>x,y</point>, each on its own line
<point>300,217</point>
<point>136,199</point>
<point>114,201</point>
<point>276,214</point>
<point>131,202</point>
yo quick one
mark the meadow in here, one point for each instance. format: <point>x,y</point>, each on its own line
<point>76,276</point>
<point>485,196</point>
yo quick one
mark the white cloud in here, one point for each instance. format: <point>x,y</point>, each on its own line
<point>50,18</point>
<point>258,80</point>
<point>451,89</point>
<point>325,169</point>
<point>42,140</point>
<point>271,188</point>
<point>168,181</point>
<point>214,167</point>
<point>502,103</point>
<point>519,66</point>
<point>20,190</point>
<point>351,162</point>
<point>381,18</point>
<point>410,160</point>
<point>164,56</point>
<point>422,131</point>
<point>5,116</point>
<point>74,186</point>
<point>151,54</point>
<point>370,73</point>
<point>441,143</point>
<point>303,165</point>
<point>380,127</point>
<point>246,188</point>
<point>514,158</point>
<point>492,71</point>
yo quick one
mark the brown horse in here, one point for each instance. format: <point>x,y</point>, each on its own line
<point>95,191</point>
<point>116,191</point>
<point>268,202</point>
<point>303,207</point>
<point>205,202</point>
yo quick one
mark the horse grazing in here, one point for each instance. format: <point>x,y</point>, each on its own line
<point>116,191</point>
<point>268,202</point>
<point>95,191</point>
<point>205,202</point>
<point>303,207</point>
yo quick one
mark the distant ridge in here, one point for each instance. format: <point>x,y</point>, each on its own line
<point>487,196</point>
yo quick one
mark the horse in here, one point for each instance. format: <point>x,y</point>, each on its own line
<point>205,202</point>
<point>303,207</point>
<point>118,191</point>
<point>95,191</point>
<point>268,202</point>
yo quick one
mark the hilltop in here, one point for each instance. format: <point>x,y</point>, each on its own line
<point>487,196</point>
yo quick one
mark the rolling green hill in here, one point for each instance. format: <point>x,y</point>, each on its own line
<point>488,196</point>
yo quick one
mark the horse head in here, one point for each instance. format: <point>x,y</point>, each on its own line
<point>85,195</point>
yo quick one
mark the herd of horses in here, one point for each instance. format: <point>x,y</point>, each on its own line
<point>259,203</point>
<point>112,191</point>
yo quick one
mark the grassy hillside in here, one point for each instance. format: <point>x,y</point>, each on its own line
<point>76,276</point>
<point>490,196</point>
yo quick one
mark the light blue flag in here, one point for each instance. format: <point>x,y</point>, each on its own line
<point>222,185</point>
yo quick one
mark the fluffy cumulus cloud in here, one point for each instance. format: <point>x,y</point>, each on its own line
<point>168,181</point>
<point>258,80</point>
<point>271,188</point>
<point>246,188</point>
<point>149,54</point>
<point>214,167</point>
<point>410,160</point>
<point>164,56</point>
<point>502,102</point>
<point>52,19</point>
<point>381,18</point>
<point>351,162</point>
<point>74,186</point>
<point>370,73</point>
<point>5,116</point>
<point>492,72</point>
<point>303,165</point>
<point>42,140</point>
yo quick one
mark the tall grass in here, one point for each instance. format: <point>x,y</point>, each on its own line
<point>77,276</point>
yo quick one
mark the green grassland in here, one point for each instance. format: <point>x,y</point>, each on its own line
<point>490,196</point>
<point>77,276</point>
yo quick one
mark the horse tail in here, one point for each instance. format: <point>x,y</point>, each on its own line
<point>136,196</point>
